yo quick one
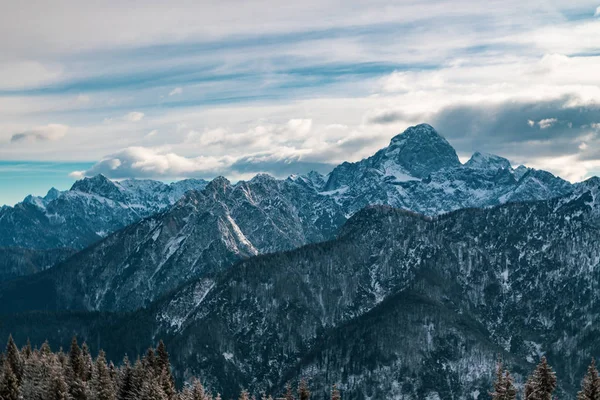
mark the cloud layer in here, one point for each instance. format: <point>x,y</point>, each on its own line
<point>204,89</point>
<point>49,132</point>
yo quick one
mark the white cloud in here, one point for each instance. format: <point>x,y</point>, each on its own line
<point>547,123</point>
<point>176,91</point>
<point>530,122</point>
<point>597,13</point>
<point>50,132</point>
<point>583,146</point>
<point>161,163</point>
<point>151,133</point>
<point>133,116</point>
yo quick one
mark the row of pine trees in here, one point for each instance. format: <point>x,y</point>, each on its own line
<point>541,384</point>
<point>41,374</point>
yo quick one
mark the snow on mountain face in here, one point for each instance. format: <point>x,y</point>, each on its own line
<point>202,233</point>
<point>487,161</point>
<point>91,209</point>
<point>402,305</point>
<point>206,232</point>
<point>420,171</point>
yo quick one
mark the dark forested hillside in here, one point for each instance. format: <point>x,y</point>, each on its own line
<point>398,303</point>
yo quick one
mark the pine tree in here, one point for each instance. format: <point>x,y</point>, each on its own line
<point>59,390</point>
<point>529,389</point>
<point>303,392</point>
<point>76,360</point>
<point>26,350</point>
<point>542,383</point>
<point>138,377</point>
<point>88,364</point>
<point>125,381</point>
<point>335,393</point>
<point>13,357</point>
<point>150,360</point>
<point>289,394</point>
<point>167,384</point>
<point>162,357</point>
<point>244,395</point>
<point>510,391</point>
<point>151,390</point>
<point>45,350</point>
<point>9,386</point>
<point>590,386</point>
<point>498,392</point>
<point>198,392</point>
<point>102,381</point>
<point>36,377</point>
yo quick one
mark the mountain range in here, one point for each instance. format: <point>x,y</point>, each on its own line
<point>256,283</point>
<point>208,230</point>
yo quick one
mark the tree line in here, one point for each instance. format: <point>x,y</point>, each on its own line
<point>542,383</point>
<point>41,374</point>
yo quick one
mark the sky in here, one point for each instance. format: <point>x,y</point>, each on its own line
<point>169,90</point>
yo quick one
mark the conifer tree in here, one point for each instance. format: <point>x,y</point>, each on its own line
<point>26,350</point>
<point>150,360</point>
<point>590,386</point>
<point>167,384</point>
<point>13,357</point>
<point>303,392</point>
<point>76,359</point>
<point>498,392</point>
<point>9,386</point>
<point>289,394</point>
<point>198,392</point>
<point>125,381</point>
<point>162,357</point>
<point>88,364</point>
<point>335,393</point>
<point>542,383</point>
<point>151,390</point>
<point>36,377</point>
<point>102,381</point>
<point>45,350</point>
<point>244,395</point>
<point>59,390</point>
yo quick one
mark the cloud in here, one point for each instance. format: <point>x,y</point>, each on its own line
<point>597,13</point>
<point>385,117</point>
<point>50,132</point>
<point>144,162</point>
<point>133,116</point>
<point>152,133</point>
<point>547,123</point>
<point>176,91</point>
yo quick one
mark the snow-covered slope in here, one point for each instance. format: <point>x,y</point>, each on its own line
<point>420,171</point>
<point>92,209</point>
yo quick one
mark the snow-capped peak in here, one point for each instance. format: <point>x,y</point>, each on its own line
<point>487,161</point>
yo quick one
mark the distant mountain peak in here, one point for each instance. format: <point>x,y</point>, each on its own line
<point>218,185</point>
<point>52,194</point>
<point>421,150</point>
<point>487,161</point>
<point>98,184</point>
